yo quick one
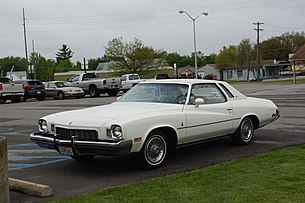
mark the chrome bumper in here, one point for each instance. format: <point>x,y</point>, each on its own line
<point>50,141</point>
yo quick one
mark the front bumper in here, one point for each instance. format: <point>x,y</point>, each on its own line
<point>49,141</point>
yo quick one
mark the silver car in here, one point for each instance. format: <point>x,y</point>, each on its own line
<point>61,90</point>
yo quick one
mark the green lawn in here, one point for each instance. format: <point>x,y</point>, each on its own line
<point>276,176</point>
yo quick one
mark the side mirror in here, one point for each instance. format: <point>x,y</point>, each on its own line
<point>198,101</point>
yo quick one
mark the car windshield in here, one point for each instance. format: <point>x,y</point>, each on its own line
<point>157,92</point>
<point>63,84</point>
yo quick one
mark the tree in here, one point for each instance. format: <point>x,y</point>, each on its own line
<point>131,56</point>
<point>64,53</point>
<point>281,46</point>
<point>44,69</point>
<point>228,57</point>
<point>7,63</point>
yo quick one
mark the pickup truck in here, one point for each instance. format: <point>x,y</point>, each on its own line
<point>10,91</point>
<point>129,80</point>
<point>94,86</point>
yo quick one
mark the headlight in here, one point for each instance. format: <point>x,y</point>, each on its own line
<point>42,125</point>
<point>115,132</point>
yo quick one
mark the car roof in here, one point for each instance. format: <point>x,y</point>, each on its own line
<point>182,81</point>
<point>234,91</point>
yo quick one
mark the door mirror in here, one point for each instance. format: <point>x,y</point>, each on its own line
<point>198,101</point>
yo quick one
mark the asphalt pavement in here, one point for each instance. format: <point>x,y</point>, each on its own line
<point>68,177</point>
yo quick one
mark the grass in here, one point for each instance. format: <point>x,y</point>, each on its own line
<point>276,176</point>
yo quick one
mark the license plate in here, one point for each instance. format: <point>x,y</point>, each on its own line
<point>66,151</point>
<point>38,92</point>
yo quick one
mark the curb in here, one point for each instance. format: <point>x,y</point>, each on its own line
<point>33,189</point>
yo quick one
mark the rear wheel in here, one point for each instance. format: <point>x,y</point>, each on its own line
<point>154,151</point>
<point>93,91</point>
<point>244,134</point>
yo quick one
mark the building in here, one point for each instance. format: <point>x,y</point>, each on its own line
<point>209,71</point>
<point>269,69</point>
<point>298,60</point>
<point>17,75</point>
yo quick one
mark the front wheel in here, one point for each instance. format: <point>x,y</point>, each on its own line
<point>112,93</point>
<point>244,134</point>
<point>154,151</point>
<point>2,101</point>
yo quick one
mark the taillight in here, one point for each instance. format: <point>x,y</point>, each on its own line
<point>30,86</point>
<point>0,87</point>
<point>42,86</point>
<point>104,82</point>
<point>22,86</point>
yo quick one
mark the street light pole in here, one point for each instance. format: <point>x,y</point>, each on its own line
<point>194,30</point>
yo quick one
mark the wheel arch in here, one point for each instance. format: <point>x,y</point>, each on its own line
<point>92,86</point>
<point>254,118</point>
<point>169,132</point>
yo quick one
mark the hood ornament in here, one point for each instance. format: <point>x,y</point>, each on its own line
<point>70,123</point>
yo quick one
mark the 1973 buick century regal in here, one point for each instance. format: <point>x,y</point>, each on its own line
<point>154,117</point>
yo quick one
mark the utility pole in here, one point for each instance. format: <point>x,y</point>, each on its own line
<point>85,65</point>
<point>33,46</point>
<point>257,46</point>
<point>25,43</point>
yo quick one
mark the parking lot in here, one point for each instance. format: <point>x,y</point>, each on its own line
<point>67,177</point>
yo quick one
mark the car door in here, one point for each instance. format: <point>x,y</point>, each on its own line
<point>212,118</point>
<point>51,90</point>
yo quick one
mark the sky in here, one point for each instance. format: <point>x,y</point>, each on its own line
<point>87,25</point>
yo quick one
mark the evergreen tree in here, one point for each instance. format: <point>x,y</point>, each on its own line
<point>64,53</point>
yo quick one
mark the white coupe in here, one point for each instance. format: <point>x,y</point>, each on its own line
<point>154,117</point>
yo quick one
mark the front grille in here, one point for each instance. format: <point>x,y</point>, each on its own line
<point>83,135</point>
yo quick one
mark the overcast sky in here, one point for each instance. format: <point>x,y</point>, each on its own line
<point>87,25</point>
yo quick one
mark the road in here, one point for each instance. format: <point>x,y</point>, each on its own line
<point>67,177</point>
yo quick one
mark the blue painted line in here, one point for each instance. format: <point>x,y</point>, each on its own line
<point>13,167</point>
<point>39,157</point>
<point>23,145</point>
<point>30,150</point>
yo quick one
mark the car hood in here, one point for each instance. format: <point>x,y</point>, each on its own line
<point>119,111</point>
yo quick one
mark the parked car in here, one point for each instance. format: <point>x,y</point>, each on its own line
<point>94,86</point>
<point>129,80</point>
<point>33,89</point>
<point>61,90</point>
<point>10,91</point>
<point>154,117</point>
<point>255,79</point>
<point>161,76</point>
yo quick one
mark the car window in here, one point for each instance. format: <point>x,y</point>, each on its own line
<point>52,85</point>
<point>123,78</point>
<point>5,80</point>
<point>34,82</point>
<point>75,78</point>
<point>210,93</point>
<point>227,91</point>
<point>133,77</point>
<point>59,84</point>
<point>159,93</point>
